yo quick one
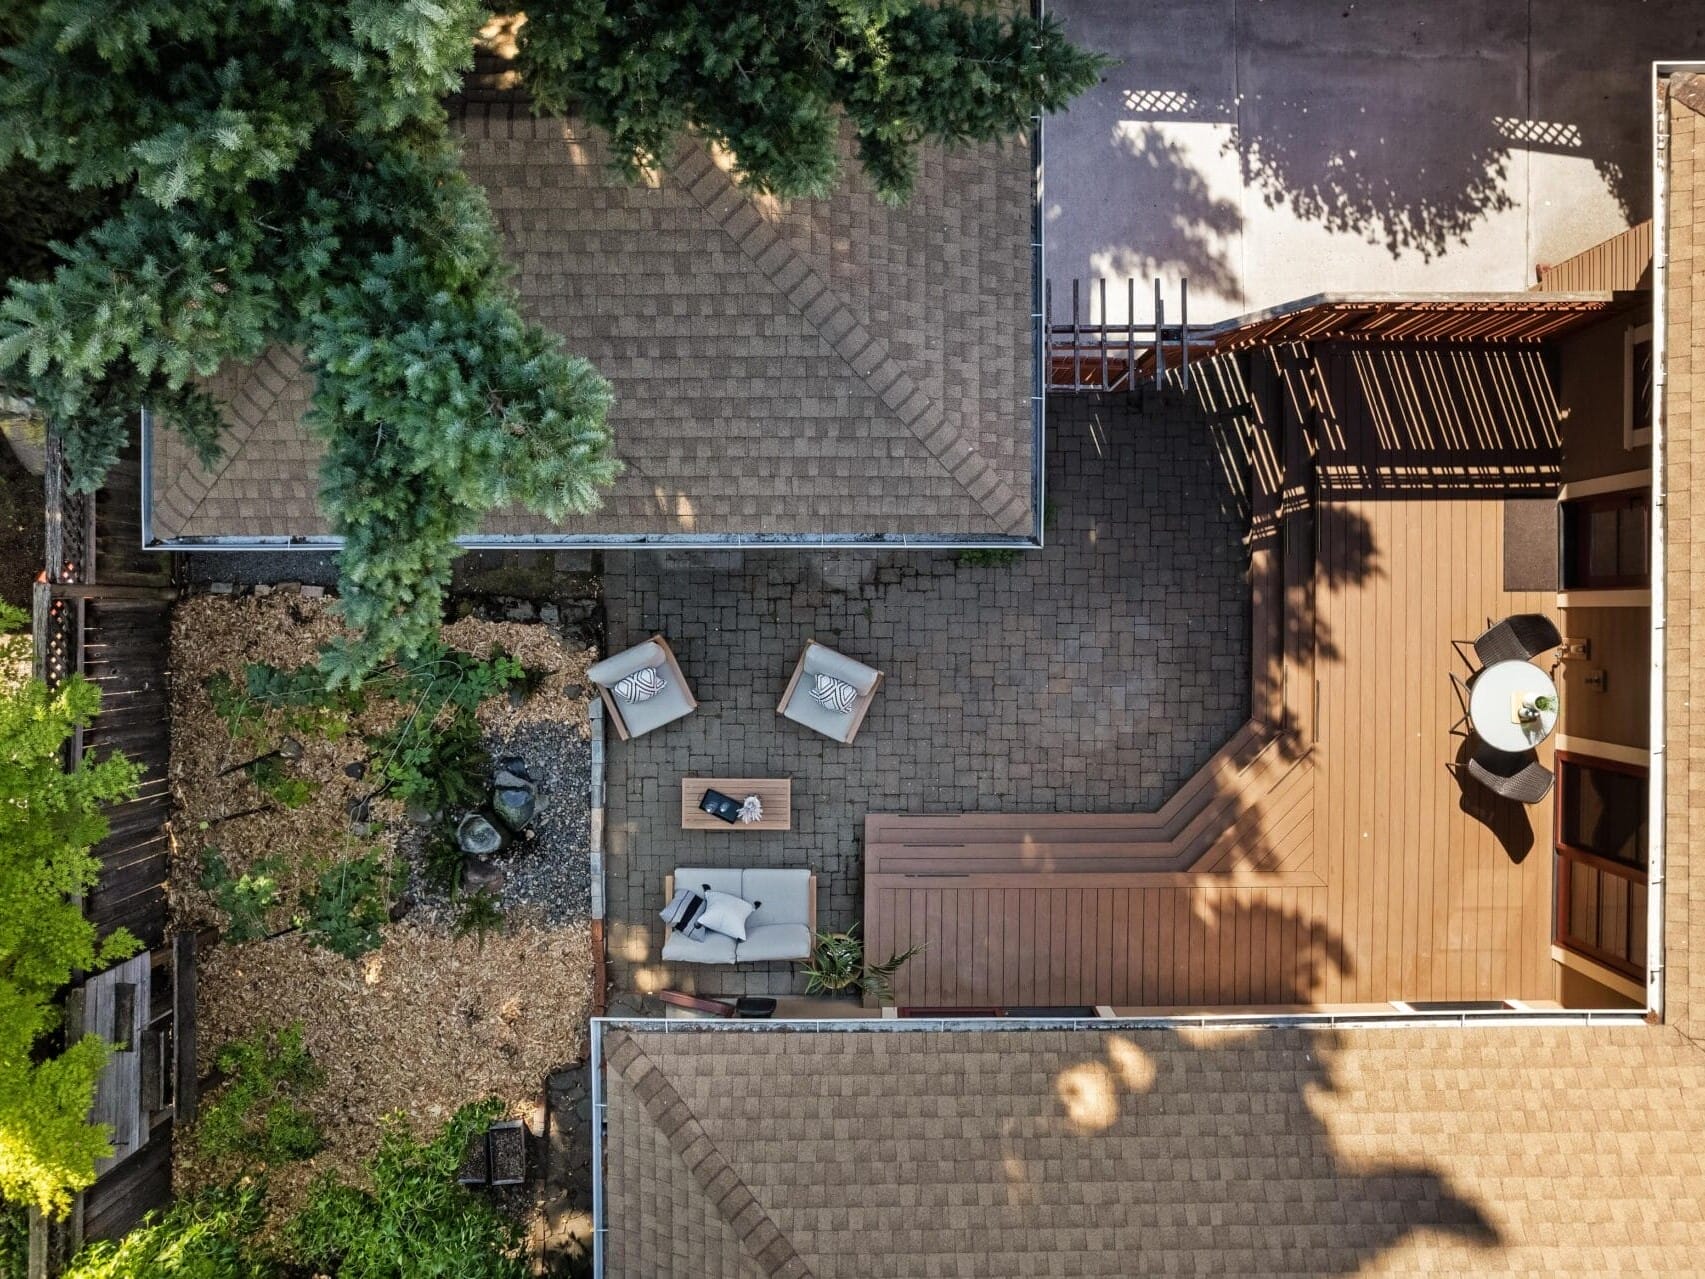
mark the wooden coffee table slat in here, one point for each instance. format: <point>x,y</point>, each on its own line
<point>774,793</point>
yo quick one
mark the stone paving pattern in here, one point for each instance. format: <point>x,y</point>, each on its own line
<point>1096,674</point>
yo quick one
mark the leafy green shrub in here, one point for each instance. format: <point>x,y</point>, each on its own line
<point>244,718</point>
<point>438,769</point>
<point>256,1112</point>
<point>837,965</point>
<point>50,819</point>
<point>210,1236</point>
<point>14,1241</point>
<point>480,915</point>
<point>272,778</point>
<point>442,860</point>
<point>416,1222</point>
<point>348,905</point>
<point>245,898</point>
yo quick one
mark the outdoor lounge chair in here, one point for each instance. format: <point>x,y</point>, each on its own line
<point>632,719</point>
<point>1515,775</point>
<point>798,704</point>
<point>782,927</point>
<point>1516,639</point>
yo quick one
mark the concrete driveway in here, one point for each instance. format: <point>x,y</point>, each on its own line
<point>1270,149</point>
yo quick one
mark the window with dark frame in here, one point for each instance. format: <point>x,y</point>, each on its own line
<point>1601,862</point>
<point>1607,541</point>
<point>1637,383</point>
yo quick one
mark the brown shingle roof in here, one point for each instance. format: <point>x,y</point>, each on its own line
<point>825,367</point>
<point>1518,1150</point>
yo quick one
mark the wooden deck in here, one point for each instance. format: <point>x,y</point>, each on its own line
<point>1327,855</point>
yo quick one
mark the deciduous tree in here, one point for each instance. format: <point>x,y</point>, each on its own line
<point>50,819</point>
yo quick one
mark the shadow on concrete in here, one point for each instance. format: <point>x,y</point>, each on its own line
<point>1192,226</point>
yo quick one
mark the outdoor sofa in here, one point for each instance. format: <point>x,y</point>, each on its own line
<point>781,927</point>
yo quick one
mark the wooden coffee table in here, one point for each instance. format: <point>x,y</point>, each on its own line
<point>774,793</point>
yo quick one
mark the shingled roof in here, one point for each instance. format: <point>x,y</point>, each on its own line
<point>1497,1149</point>
<point>831,367</point>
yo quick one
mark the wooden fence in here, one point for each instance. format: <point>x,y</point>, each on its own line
<point>103,611</point>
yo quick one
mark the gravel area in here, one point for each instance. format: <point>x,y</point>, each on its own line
<point>249,568</point>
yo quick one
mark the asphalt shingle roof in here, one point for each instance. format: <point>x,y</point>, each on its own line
<point>830,366</point>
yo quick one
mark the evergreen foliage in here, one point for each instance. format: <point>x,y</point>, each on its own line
<point>49,821</point>
<point>284,174</point>
<point>771,80</point>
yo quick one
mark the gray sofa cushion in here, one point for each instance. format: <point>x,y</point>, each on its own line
<point>724,879</point>
<point>783,897</point>
<point>773,941</point>
<point>714,949</point>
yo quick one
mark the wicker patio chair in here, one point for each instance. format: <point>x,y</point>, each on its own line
<point>1515,775</point>
<point>1516,639</point>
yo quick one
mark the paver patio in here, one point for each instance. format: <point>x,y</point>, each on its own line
<point>1094,675</point>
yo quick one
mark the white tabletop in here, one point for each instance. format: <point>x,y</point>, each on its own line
<point>1496,694</point>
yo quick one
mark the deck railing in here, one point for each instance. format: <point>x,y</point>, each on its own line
<point>1086,352</point>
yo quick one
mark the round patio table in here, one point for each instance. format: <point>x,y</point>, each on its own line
<point>1496,696</point>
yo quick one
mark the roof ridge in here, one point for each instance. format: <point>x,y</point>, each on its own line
<point>868,357</point>
<point>735,1203</point>
<point>240,424</point>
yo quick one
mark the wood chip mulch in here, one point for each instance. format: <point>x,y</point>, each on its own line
<point>428,1021</point>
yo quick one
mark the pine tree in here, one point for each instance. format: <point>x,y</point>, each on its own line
<point>771,80</point>
<point>285,174</point>
<point>49,820</point>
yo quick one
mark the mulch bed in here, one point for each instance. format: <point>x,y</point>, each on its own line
<point>428,1021</point>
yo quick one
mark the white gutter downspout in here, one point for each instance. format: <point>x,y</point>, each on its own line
<point>1657,807</point>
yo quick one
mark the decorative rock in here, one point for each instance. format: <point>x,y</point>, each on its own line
<point>420,814</point>
<point>401,907</point>
<point>520,611</point>
<point>550,614</point>
<point>482,875</point>
<point>357,770</point>
<point>222,588</point>
<point>477,837</point>
<point>263,589</point>
<point>313,592</point>
<point>514,795</point>
<point>360,812</point>
<point>515,805</point>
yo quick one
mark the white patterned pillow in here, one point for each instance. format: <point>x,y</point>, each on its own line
<point>835,694</point>
<point>641,686</point>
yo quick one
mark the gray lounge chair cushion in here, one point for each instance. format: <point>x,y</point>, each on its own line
<point>802,708</point>
<point>773,941</point>
<point>620,665</point>
<point>714,949</point>
<point>825,661</point>
<point>642,717</point>
<point>783,897</point>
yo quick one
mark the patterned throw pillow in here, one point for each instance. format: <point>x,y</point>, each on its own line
<point>835,694</point>
<point>641,686</point>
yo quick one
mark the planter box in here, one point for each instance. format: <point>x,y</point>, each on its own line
<point>497,1156</point>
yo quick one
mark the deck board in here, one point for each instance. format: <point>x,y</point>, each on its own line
<point>1357,843</point>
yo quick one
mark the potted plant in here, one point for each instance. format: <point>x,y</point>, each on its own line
<point>837,966</point>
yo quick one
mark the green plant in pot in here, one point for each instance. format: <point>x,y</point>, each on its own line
<point>837,966</point>
<point>1545,704</point>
